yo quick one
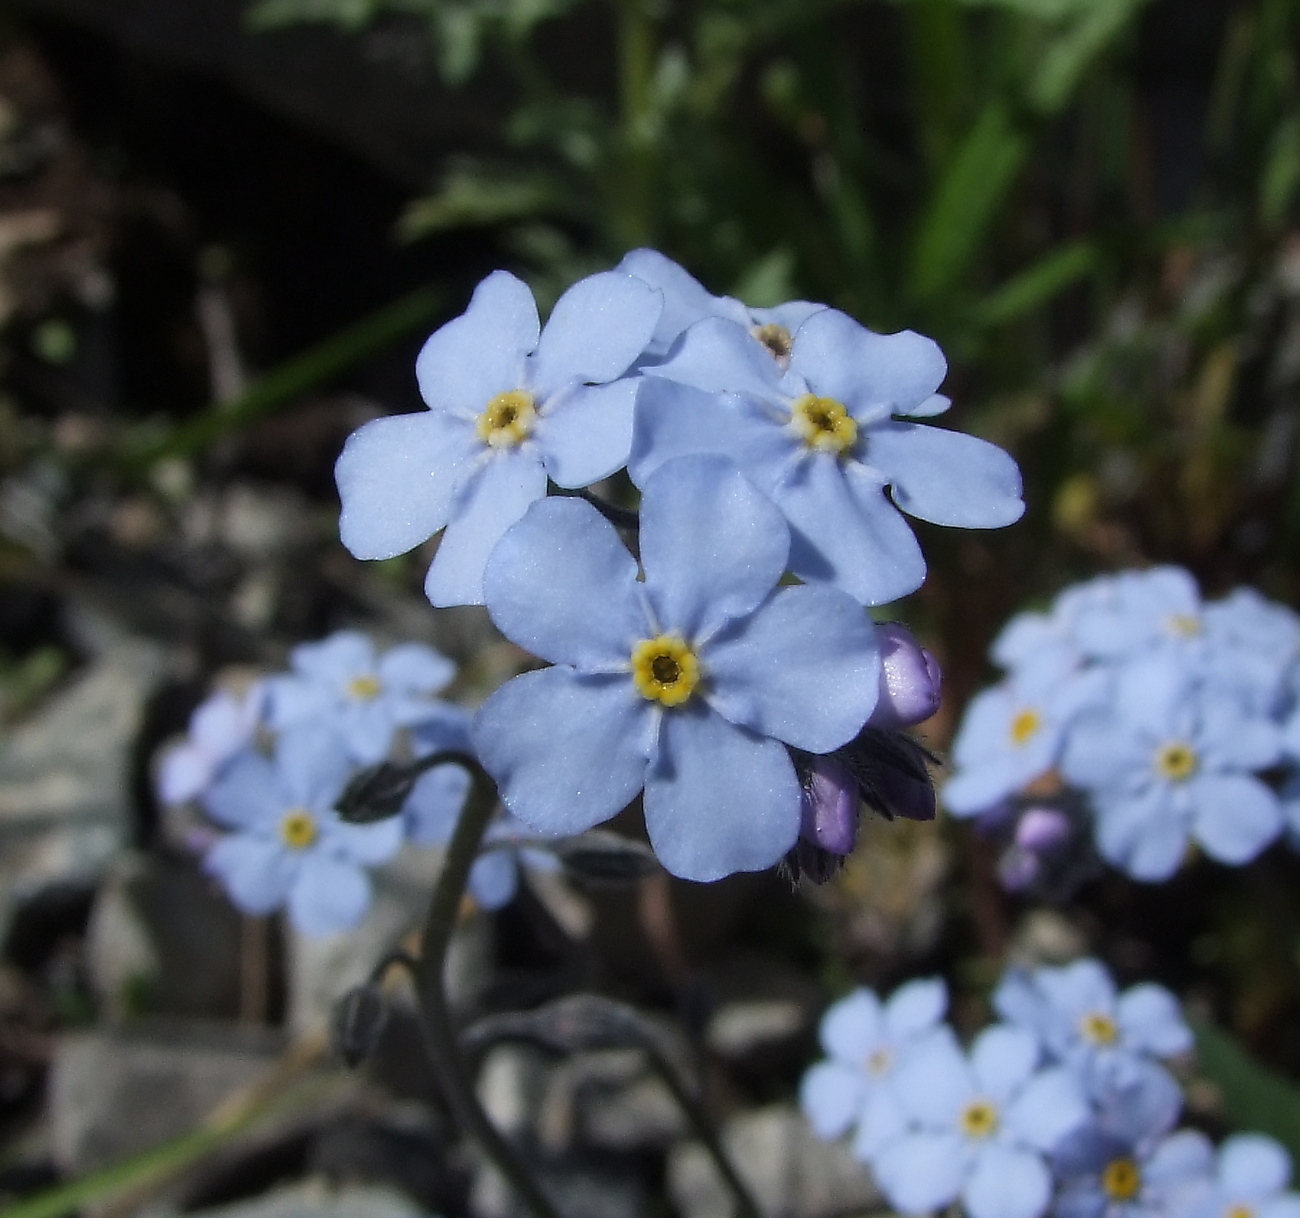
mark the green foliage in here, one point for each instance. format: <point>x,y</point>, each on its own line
<point>1254,1098</point>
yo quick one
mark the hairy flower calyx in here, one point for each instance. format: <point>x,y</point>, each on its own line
<point>1121,1180</point>
<point>979,1119</point>
<point>298,829</point>
<point>1098,1029</point>
<point>823,424</point>
<point>507,420</point>
<point>777,340</point>
<point>665,669</point>
<point>365,688</point>
<point>1176,761</point>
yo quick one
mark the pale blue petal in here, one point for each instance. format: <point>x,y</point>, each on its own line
<point>497,496</point>
<point>1079,988</point>
<point>922,1171</point>
<point>588,435</point>
<point>1098,752</point>
<point>972,791</point>
<point>415,667</point>
<point>935,1081</point>
<point>293,699</point>
<point>804,667</point>
<point>1237,740</point>
<point>830,1095</point>
<point>328,896</point>
<point>843,360</point>
<point>675,420</point>
<point>1017,999</point>
<point>851,1028</point>
<point>712,545</point>
<point>435,804</point>
<point>718,799</point>
<point>247,794</point>
<point>916,1007</point>
<point>369,845</point>
<point>881,1122</point>
<point>567,751</point>
<point>481,353</point>
<point>1253,1167</point>
<point>367,729</point>
<point>222,724</point>
<point>721,356</point>
<point>1235,817</point>
<point>444,728</point>
<point>334,660</point>
<point>1051,1105</point>
<point>946,477</point>
<point>847,533</point>
<point>1002,1058</point>
<point>183,773</point>
<point>1142,836</point>
<point>597,328</point>
<point>494,879</point>
<point>1181,1158</point>
<point>1152,1021</point>
<point>563,585</point>
<point>1007,1183</point>
<point>1285,1206</point>
<point>790,315</point>
<point>1151,691</point>
<point>311,765</point>
<point>256,871</point>
<point>935,404</point>
<point>685,299</point>
<point>397,478</point>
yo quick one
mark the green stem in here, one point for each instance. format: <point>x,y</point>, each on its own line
<point>636,57</point>
<point>439,1031</point>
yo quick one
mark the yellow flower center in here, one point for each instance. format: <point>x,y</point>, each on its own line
<point>1121,1180</point>
<point>1184,625</point>
<point>365,689</point>
<point>979,1119</point>
<point>665,669</point>
<point>776,339</point>
<point>1024,727</point>
<point>1241,1211</point>
<point>823,424</point>
<point>1098,1029</point>
<point>508,419</point>
<point>1176,761</point>
<point>878,1063</point>
<point>298,829</point>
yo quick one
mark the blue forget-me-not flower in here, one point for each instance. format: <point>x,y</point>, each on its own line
<point>1248,1179</point>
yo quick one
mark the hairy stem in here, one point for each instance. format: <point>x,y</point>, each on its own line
<point>439,1032</point>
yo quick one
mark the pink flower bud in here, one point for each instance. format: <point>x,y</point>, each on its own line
<point>830,806</point>
<point>909,679</point>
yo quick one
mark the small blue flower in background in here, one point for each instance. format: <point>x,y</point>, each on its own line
<point>219,728</point>
<point>511,404</point>
<point>288,846</point>
<point>438,797</point>
<point>817,435</point>
<point>1082,1020</point>
<point>979,1126</point>
<point>686,301</point>
<point>363,696</point>
<point>865,1041</point>
<point>688,685</point>
<point>1172,760</point>
<point>1138,610</point>
<point>1249,1180</point>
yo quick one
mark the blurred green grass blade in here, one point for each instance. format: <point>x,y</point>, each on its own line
<point>937,47</point>
<point>298,375</point>
<point>1069,56</point>
<point>1254,1098</point>
<point>1037,284</point>
<point>966,200</point>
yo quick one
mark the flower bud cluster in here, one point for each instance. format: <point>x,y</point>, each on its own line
<point>1063,1106</point>
<point>1176,720</point>
<point>774,452</point>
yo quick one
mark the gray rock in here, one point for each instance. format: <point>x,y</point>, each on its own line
<point>791,1173</point>
<point>314,1199</point>
<point>115,1093</point>
<point>577,1192</point>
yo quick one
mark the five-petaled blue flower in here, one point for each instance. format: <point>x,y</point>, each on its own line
<point>509,406</point>
<point>288,846</point>
<point>1248,1180</point>
<point>687,684</point>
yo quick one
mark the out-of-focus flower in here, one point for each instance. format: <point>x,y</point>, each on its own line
<point>365,697</point>
<point>288,846</point>
<point>910,680</point>
<point>865,1041</point>
<point>979,1127</point>
<point>220,727</point>
<point>820,439</point>
<point>1248,1179</point>
<point>509,407</point>
<point>688,685</point>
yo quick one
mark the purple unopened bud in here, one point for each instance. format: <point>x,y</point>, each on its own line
<point>909,679</point>
<point>1042,830</point>
<point>829,806</point>
<point>1018,869</point>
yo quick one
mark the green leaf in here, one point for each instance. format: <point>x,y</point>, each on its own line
<point>1037,284</point>
<point>769,281</point>
<point>275,14</point>
<point>473,195</point>
<point>1067,58</point>
<point>966,200</point>
<point>1254,1098</point>
<point>1281,175</point>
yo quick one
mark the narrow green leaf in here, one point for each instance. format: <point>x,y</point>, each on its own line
<point>966,200</point>
<point>1037,284</point>
<point>1058,73</point>
<point>1254,1098</point>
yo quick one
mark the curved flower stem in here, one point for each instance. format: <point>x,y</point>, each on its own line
<point>439,1032</point>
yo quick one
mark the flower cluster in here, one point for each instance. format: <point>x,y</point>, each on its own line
<point>769,448</point>
<point>1063,1106</point>
<point>1176,719</point>
<point>269,766</point>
